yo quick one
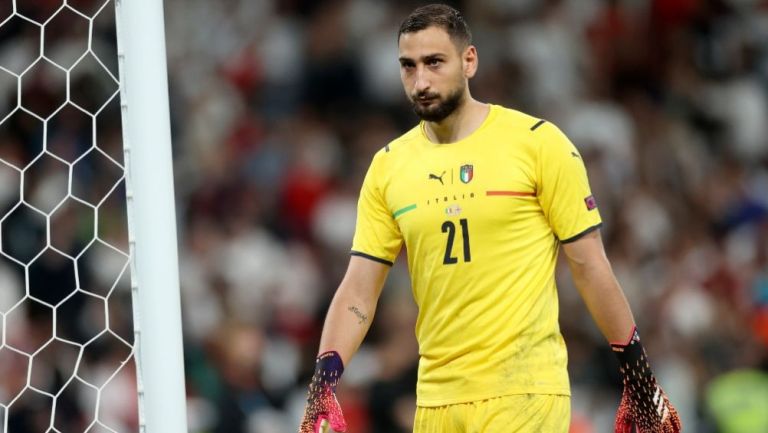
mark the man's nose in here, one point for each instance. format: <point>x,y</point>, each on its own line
<point>422,82</point>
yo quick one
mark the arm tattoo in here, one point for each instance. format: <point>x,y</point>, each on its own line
<point>362,317</point>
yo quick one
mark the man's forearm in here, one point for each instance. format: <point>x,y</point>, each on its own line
<point>347,322</point>
<point>352,308</point>
<point>605,300</point>
<point>601,292</point>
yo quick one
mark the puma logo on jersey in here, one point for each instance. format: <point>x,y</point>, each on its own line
<point>575,155</point>
<point>436,177</point>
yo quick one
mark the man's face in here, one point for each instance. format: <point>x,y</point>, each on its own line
<point>434,72</point>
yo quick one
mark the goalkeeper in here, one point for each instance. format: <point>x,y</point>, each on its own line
<point>483,197</point>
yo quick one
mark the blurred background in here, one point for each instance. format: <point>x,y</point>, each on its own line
<point>277,108</point>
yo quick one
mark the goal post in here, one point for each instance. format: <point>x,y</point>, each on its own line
<point>67,350</point>
<point>151,215</point>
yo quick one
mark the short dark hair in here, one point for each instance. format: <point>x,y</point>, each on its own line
<point>439,15</point>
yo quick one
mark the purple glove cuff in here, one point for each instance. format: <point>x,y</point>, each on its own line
<point>328,369</point>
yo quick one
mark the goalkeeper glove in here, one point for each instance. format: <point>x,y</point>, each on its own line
<point>322,406</point>
<point>644,405</point>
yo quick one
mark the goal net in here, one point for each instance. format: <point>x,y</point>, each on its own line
<point>67,338</point>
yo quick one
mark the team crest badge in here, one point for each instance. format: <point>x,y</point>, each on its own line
<point>465,173</point>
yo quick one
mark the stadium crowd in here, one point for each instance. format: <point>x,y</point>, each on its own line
<point>277,108</point>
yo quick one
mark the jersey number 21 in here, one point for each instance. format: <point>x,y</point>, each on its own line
<point>450,228</point>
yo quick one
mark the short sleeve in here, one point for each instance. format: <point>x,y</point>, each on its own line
<point>377,235</point>
<point>563,187</point>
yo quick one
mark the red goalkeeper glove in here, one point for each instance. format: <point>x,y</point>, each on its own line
<point>322,405</point>
<point>644,405</point>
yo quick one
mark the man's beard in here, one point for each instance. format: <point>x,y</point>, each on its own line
<point>442,109</point>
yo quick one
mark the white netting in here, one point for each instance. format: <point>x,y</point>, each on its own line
<point>66,331</point>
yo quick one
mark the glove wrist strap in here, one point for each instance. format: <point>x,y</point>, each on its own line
<point>633,361</point>
<point>328,369</point>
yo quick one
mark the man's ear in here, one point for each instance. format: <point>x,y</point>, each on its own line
<point>469,59</point>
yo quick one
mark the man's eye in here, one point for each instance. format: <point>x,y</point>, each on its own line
<point>433,62</point>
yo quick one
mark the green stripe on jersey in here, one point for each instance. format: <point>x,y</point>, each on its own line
<point>404,210</point>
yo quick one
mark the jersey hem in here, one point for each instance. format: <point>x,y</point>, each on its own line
<point>370,257</point>
<point>582,234</point>
<point>420,402</point>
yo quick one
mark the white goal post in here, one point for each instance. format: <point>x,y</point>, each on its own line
<point>151,215</point>
<point>67,350</point>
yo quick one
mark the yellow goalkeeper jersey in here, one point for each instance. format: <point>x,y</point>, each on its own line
<point>482,220</point>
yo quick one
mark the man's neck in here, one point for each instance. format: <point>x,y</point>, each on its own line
<point>460,124</point>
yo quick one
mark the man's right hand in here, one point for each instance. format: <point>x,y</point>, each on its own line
<point>322,404</point>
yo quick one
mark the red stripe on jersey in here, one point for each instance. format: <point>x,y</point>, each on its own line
<point>511,193</point>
